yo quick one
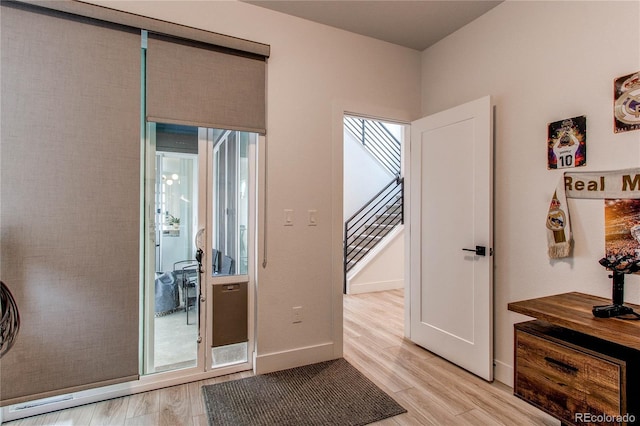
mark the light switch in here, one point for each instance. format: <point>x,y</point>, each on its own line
<point>288,217</point>
<point>313,217</point>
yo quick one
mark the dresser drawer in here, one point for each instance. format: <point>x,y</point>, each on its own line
<point>565,379</point>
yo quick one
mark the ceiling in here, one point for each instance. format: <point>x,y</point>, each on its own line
<point>416,24</point>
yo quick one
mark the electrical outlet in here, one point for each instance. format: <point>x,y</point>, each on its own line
<point>296,314</point>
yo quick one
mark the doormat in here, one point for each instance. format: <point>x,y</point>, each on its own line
<point>327,393</point>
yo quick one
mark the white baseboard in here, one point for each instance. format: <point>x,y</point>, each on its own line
<point>374,286</point>
<point>298,357</point>
<point>503,373</point>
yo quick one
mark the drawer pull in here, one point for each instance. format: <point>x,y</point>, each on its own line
<point>563,366</point>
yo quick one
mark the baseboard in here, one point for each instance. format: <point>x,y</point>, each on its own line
<point>298,357</point>
<point>503,373</point>
<point>375,286</point>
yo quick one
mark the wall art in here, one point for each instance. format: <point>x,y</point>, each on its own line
<point>626,103</point>
<point>567,143</point>
<point>622,229</point>
<point>620,189</point>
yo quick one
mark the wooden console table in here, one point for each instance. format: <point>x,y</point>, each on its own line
<point>578,368</point>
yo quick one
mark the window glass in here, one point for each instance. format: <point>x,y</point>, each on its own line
<point>230,202</point>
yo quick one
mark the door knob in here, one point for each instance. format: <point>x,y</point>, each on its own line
<point>479,250</point>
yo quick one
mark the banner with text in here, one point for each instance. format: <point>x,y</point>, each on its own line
<point>613,186</point>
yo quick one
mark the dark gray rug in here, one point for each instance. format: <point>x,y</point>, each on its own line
<point>328,393</point>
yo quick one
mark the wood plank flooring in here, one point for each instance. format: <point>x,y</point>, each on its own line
<point>433,391</point>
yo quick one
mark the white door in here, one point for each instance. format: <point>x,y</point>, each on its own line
<point>451,202</point>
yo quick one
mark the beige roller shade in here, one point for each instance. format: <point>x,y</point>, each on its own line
<point>201,85</point>
<point>70,197</point>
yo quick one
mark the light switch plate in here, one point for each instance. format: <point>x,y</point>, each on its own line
<point>288,217</point>
<point>313,217</point>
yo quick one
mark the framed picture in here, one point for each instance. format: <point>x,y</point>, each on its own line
<point>567,143</point>
<point>622,229</point>
<point>626,103</point>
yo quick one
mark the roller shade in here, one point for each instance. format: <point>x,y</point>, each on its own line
<point>70,191</point>
<point>203,85</point>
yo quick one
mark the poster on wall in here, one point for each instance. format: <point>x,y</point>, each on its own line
<point>622,230</point>
<point>626,103</point>
<point>567,143</point>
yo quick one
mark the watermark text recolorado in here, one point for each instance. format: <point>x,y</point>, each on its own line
<point>604,418</point>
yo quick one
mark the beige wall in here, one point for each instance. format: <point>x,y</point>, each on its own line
<point>314,73</point>
<point>541,62</point>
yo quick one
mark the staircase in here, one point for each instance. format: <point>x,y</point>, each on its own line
<point>383,212</point>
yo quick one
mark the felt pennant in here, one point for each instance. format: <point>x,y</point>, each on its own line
<point>618,184</point>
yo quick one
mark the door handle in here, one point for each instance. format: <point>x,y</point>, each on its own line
<point>479,250</point>
<point>199,239</point>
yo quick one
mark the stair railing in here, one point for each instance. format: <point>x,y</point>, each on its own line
<point>369,225</point>
<point>378,140</point>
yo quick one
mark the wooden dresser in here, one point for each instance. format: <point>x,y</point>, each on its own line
<point>578,368</point>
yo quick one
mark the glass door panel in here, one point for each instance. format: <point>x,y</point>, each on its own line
<point>230,202</point>
<point>231,159</point>
<point>172,318</point>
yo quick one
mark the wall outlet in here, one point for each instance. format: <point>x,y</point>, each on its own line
<point>296,314</point>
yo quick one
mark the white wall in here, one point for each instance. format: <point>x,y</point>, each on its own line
<point>363,175</point>
<point>315,74</point>
<point>541,62</point>
<point>385,269</point>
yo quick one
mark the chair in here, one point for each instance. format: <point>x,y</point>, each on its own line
<point>215,261</point>
<point>186,272</point>
<point>227,266</point>
<point>167,297</point>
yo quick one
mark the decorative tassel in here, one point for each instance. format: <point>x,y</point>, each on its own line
<point>559,250</point>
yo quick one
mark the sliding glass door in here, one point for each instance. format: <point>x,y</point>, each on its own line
<point>199,216</point>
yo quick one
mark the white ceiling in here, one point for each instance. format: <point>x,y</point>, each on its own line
<point>416,24</point>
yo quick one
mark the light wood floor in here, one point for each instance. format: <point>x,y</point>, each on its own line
<point>433,391</point>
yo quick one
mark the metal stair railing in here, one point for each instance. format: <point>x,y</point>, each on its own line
<point>369,225</point>
<point>377,139</point>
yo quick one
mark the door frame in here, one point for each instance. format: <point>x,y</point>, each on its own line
<point>340,108</point>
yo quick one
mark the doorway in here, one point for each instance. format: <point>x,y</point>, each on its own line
<point>431,162</point>
<point>373,204</point>
<point>199,194</point>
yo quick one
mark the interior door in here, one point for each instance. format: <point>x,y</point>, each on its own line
<point>451,283</point>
